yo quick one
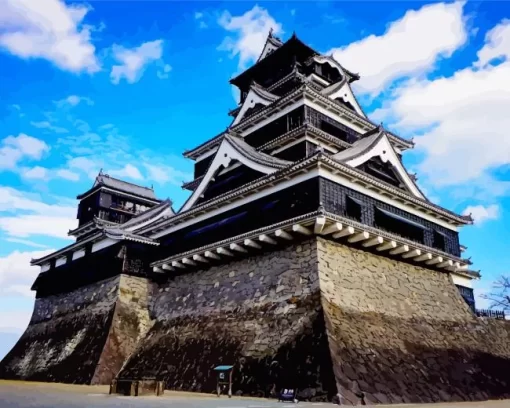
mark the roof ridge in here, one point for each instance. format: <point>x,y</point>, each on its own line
<point>124,181</point>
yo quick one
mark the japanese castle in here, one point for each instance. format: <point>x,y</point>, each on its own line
<point>306,257</point>
<point>299,158</point>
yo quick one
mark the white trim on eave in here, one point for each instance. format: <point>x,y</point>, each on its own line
<point>345,92</point>
<point>150,200</point>
<point>384,150</point>
<point>249,102</point>
<point>225,154</point>
<point>322,172</point>
<point>342,180</point>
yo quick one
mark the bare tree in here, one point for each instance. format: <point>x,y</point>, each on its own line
<point>500,294</point>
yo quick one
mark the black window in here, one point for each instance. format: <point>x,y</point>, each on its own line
<point>352,208</point>
<point>439,241</point>
<point>398,225</point>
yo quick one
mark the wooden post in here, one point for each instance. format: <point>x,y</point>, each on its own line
<point>230,384</point>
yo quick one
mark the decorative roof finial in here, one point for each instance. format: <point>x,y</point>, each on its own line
<point>321,210</point>
<point>271,32</point>
<point>319,149</point>
<point>294,34</point>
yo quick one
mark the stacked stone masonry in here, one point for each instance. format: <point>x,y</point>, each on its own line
<point>261,314</point>
<point>317,315</point>
<point>83,336</point>
<point>401,334</point>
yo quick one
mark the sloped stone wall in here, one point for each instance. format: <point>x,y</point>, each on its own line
<point>400,333</point>
<point>260,314</point>
<point>83,336</point>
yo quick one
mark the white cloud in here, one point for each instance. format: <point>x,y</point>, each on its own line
<point>134,61</point>
<point>165,174</point>
<point>481,213</point>
<point>37,172</point>
<point>128,171</point>
<point>47,125</point>
<point>26,242</point>
<point>16,274</point>
<point>26,215</point>
<point>461,120</point>
<point>25,226</point>
<point>198,15</point>
<point>48,29</point>
<point>73,100</point>
<point>85,164</point>
<point>16,148</point>
<point>497,44</point>
<point>68,175</point>
<point>164,73</point>
<point>409,47</point>
<point>251,30</point>
<point>27,145</point>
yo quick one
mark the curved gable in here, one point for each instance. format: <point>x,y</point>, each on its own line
<point>233,148</point>
<point>256,96</point>
<point>378,145</point>
<point>342,90</point>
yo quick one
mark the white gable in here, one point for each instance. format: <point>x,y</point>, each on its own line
<point>378,145</point>
<point>268,49</point>
<point>251,100</point>
<point>343,91</point>
<point>223,158</point>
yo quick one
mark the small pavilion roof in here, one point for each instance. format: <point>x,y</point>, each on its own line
<point>121,185</point>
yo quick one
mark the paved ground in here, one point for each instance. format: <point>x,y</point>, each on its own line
<point>37,395</point>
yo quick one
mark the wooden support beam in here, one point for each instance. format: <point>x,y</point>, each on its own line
<point>187,261</point>
<point>445,264</point>
<point>211,255</point>
<point>373,241</point>
<point>301,229</point>
<point>167,267</point>
<point>251,243</point>
<point>387,245</point>
<point>436,260</point>
<point>200,258</point>
<point>320,222</point>
<point>412,253</point>
<point>176,264</point>
<point>332,229</point>
<point>237,247</point>
<point>224,251</point>
<point>267,239</point>
<point>424,257</point>
<point>282,234</point>
<point>454,267</point>
<point>399,250</point>
<point>345,232</point>
<point>360,236</point>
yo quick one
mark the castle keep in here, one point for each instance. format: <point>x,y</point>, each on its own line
<point>306,256</point>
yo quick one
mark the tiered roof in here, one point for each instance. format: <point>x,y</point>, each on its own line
<point>261,173</point>
<point>106,181</point>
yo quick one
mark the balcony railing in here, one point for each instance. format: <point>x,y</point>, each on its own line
<point>123,208</point>
<point>494,314</point>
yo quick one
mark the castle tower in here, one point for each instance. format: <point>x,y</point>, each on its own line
<point>306,256</point>
<point>92,296</point>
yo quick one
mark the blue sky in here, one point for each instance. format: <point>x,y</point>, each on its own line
<point>128,86</point>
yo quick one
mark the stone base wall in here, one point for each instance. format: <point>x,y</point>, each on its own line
<point>260,314</point>
<point>317,316</point>
<point>83,336</point>
<point>402,334</point>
